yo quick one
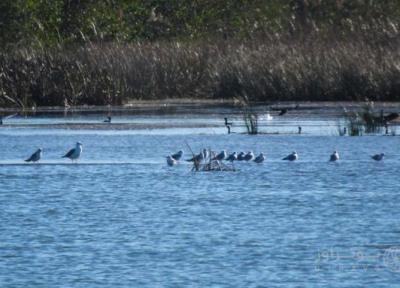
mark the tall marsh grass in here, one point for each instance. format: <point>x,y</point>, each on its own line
<point>266,69</point>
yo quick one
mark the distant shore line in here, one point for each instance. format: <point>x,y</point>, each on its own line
<point>178,106</point>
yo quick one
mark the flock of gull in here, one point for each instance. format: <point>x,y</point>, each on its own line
<point>242,156</point>
<point>204,155</point>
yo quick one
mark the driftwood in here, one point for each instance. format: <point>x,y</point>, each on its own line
<point>214,165</point>
<point>208,163</point>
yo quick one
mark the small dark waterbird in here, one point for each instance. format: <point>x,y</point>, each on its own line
<point>178,155</point>
<point>283,112</point>
<point>240,156</point>
<point>260,158</point>
<point>249,156</point>
<point>378,157</point>
<point>35,157</point>
<point>108,120</point>
<point>334,156</point>
<point>291,157</point>
<point>391,117</point>
<point>221,156</point>
<point>232,157</point>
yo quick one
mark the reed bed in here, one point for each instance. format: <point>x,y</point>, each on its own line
<point>274,68</point>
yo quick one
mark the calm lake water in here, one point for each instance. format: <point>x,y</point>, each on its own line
<point>122,218</point>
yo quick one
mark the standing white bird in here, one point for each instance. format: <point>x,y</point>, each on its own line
<point>74,153</point>
<point>249,156</point>
<point>334,156</point>
<point>378,157</point>
<point>232,157</point>
<point>35,156</point>
<point>292,157</point>
<point>178,155</point>
<point>260,158</point>
<point>171,161</point>
<point>221,156</point>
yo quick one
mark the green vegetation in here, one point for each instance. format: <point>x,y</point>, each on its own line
<point>54,52</point>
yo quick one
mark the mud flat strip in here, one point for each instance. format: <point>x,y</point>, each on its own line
<point>75,164</point>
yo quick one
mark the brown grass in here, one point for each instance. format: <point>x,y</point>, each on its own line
<point>273,68</point>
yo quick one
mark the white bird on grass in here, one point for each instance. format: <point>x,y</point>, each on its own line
<point>334,157</point>
<point>35,156</point>
<point>291,157</point>
<point>74,153</point>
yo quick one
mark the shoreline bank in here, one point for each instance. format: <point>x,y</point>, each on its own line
<point>171,106</point>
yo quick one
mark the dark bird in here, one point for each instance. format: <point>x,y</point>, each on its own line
<point>108,120</point>
<point>197,158</point>
<point>334,157</point>
<point>221,156</point>
<point>35,156</point>
<point>232,157</point>
<point>240,156</point>
<point>283,111</point>
<point>178,155</point>
<point>378,157</point>
<point>260,158</point>
<point>391,117</point>
<point>291,157</point>
<point>249,156</point>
